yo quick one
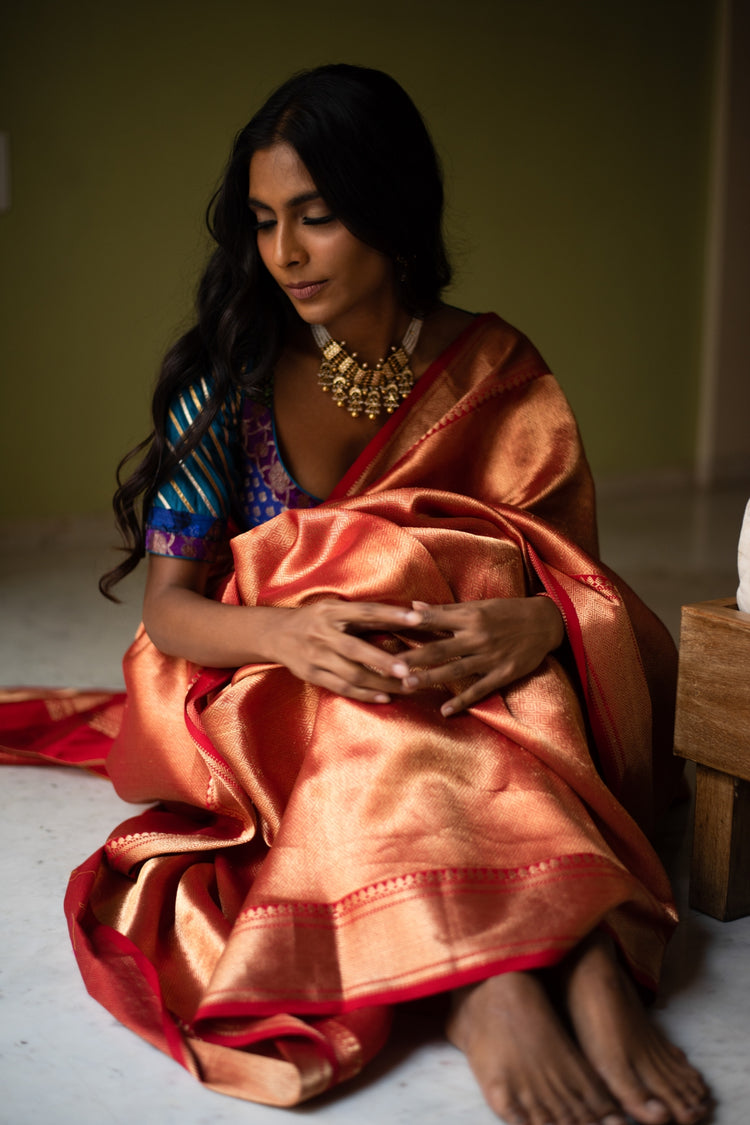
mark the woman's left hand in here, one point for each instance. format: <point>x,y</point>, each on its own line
<point>499,641</point>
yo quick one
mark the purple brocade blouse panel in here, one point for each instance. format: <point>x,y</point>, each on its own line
<point>267,487</point>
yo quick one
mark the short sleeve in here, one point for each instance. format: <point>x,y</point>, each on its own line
<point>189,515</point>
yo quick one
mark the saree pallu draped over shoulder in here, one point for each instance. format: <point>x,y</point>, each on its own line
<point>312,860</point>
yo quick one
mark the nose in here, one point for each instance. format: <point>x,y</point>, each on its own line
<point>288,249</point>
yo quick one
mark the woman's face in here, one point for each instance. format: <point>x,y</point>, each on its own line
<point>330,277</point>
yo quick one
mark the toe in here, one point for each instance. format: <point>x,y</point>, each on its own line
<point>640,1103</point>
<point>505,1104</point>
<point>653,1110</point>
<point>509,1111</point>
<point>679,1088</point>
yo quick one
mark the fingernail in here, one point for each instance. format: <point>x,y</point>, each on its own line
<point>419,605</point>
<point>399,669</point>
<point>382,698</point>
<point>411,681</point>
<point>447,709</point>
<point>413,618</point>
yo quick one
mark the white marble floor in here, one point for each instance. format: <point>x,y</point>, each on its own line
<point>64,1059</point>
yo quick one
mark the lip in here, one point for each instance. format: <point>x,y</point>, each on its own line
<point>304,290</point>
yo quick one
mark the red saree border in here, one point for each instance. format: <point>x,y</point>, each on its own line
<point>501,878</point>
<point>494,956</point>
<point>595,703</point>
<point>87,947</point>
<point>59,727</point>
<point>291,1027</point>
<point>570,618</point>
<point>387,998</point>
<point>207,681</point>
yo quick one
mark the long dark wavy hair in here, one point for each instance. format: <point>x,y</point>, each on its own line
<point>369,154</point>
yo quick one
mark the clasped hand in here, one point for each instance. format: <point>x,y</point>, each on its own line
<point>497,641</point>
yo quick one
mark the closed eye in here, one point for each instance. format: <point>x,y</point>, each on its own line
<point>308,221</point>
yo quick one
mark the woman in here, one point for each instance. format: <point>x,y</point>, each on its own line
<point>400,739</point>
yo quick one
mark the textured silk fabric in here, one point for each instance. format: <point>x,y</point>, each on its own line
<point>238,454</point>
<point>267,487</point>
<point>189,515</point>
<point>313,860</point>
<point>49,727</point>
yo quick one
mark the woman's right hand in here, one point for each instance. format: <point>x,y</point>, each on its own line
<point>322,644</point>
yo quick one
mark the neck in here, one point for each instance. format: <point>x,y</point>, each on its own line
<point>371,336</point>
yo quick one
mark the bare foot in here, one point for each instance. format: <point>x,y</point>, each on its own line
<point>649,1076</point>
<point>529,1070</point>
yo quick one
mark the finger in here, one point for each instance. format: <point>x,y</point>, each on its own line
<point>361,653</point>
<point>430,655</point>
<point>335,684</point>
<point>439,616</point>
<point>476,692</point>
<point>495,680</point>
<point>356,674</point>
<point>373,615</point>
<point>353,681</point>
<point>447,673</point>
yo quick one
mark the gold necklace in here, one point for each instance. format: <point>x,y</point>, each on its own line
<point>362,389</point>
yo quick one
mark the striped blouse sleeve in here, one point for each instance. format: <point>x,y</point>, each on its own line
<point>189,515</point>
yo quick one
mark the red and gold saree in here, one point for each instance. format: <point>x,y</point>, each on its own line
<point>310,860</point>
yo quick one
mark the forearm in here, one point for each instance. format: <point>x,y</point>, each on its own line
<point>183,622</point>
<point>318,642</point>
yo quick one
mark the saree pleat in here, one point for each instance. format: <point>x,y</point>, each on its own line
<point>312,860</point>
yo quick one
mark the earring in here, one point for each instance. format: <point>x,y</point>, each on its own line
<point>401,268</point>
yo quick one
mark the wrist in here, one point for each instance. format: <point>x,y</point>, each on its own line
<point>270,632</point>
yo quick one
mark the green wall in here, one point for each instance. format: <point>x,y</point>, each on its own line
<point>575,138</point>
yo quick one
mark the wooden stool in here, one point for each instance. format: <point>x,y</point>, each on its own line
<point>712,729</point>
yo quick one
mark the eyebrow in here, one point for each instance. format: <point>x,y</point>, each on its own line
<point>295,201</point>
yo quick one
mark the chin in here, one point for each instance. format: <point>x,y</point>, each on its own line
<point>311,312</point>
<point>308,314</point>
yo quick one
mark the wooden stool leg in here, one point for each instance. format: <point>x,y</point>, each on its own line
<point>720,866</point>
